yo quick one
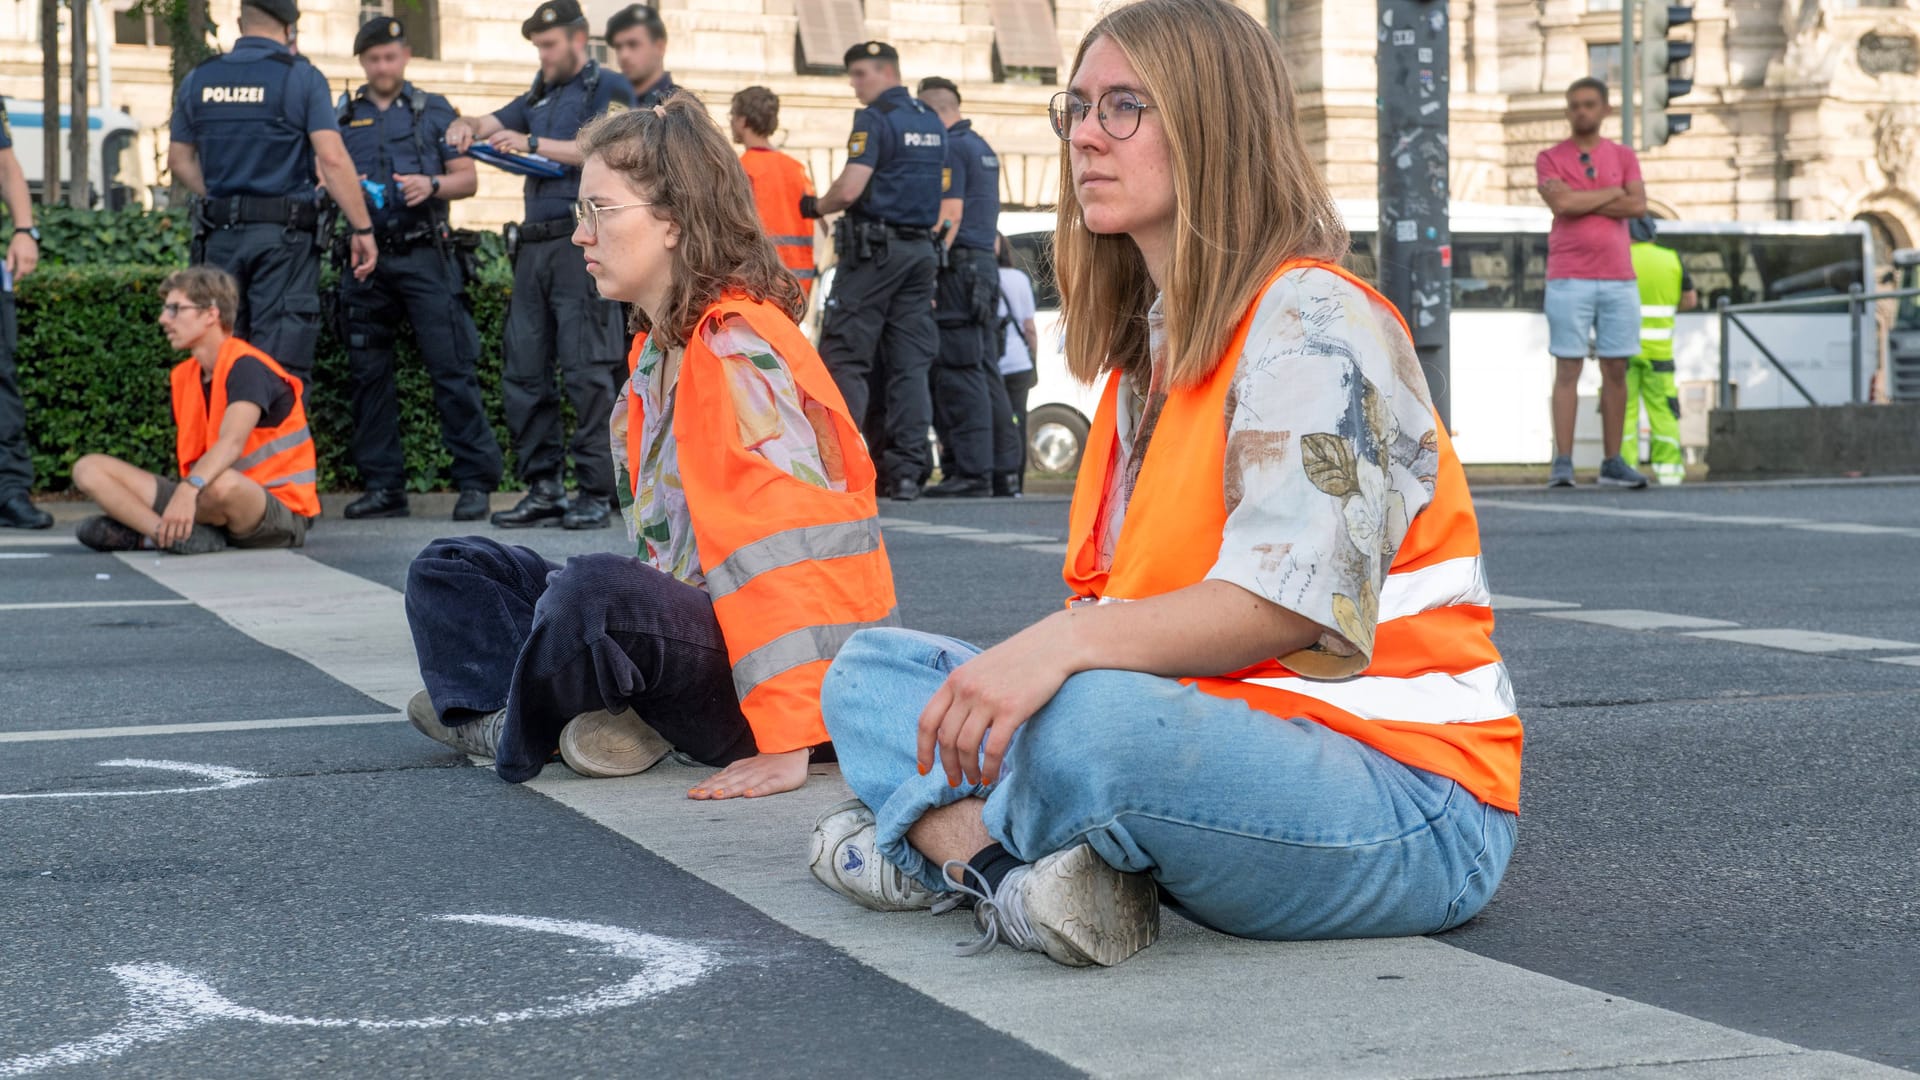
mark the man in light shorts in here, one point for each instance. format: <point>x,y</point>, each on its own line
<point>1593,187</point>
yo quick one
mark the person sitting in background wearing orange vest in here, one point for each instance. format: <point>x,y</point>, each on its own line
<point>1275,698</point>
<point>779,181</point>
<point>748,492</point>
<point>246,455</point>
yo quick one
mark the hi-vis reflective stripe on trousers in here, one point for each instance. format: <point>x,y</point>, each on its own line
<point>275,446</point>
<point>1476,696</point>
<point>802,646</point>
<point>836,540</point>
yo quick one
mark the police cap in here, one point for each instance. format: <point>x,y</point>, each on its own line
<point>552,14</point>
<point>872,50</point>
<point>378,32</point>
<point>641,15</point>
<point>286,11</point>
<point>1642,229</point>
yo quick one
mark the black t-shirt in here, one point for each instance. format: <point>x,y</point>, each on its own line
<point>250,380</point>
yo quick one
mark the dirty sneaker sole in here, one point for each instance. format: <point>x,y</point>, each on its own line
<point>603,744</point>
<point>421,714</point>
<point>1087,912</point>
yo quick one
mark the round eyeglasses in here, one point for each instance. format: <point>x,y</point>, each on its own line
<point>587,212</point>
<point>1118,110</point>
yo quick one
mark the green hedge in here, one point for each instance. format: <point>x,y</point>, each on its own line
<point>93,363</point>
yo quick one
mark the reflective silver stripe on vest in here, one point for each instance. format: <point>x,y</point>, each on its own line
<point>833,541</point>
<point>793,241</point>
<point>802,646</point>
<point>304,476</point>
<point>271,447</point>
<point>1659,311</point>
<point>1656,333</point>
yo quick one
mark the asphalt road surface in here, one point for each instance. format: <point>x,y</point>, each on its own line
<point>224,854</point>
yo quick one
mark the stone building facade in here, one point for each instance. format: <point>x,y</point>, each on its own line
<point>1806,109</point>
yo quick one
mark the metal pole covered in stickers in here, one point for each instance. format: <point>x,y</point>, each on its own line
<point>1414,244</point>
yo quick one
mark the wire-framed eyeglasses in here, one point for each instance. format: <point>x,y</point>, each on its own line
<point>1118,111</point>
<point>587,212</point>
<point>172,311</point>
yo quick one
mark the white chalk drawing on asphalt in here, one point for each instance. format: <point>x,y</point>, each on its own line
<point>164,1002</point>
<point>222,776</point>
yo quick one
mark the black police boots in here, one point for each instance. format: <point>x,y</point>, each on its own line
<point>544,504</point>
<point>904,489</point>
<point>471,506</point>
<point>387,503</point>
<point>588,512</point>
<point>960,487</point>
<point>1006,485</point>
<point>20,513</point>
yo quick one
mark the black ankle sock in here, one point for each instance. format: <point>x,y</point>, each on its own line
<point>992,863</point>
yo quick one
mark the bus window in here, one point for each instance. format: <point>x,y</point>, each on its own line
<point>1533,277</point>
<point>1483,273</point>
<point>1360,261</point>
<point>1033,252</point>
<point>1710,262</point>
<point>1799,266</point>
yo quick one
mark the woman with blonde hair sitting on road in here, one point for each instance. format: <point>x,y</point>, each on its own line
<point>746,489</point>
<point>1274,700</point>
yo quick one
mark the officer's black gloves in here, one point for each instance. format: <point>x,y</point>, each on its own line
<point>809,206</point>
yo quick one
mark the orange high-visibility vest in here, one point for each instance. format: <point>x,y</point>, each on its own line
<point>793,570</point>
<point>778,182</point>
<point>1435,696</point>
<point>279,458</point>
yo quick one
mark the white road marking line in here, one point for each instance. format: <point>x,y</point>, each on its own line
<point>222,776</point>
<point>1909,661</point>
<point>164,1001</point>
<point>1008,538</point>
<point>57,605</point>
<point>134,730</point>
<point>929,529</point>
<point>1527,603</point>
<point>1056,548</point>
<point>1635,619</point>
<point>1515,1021</point>
<point>334,620</point>
<point>1839,527</point>
<point>1807,641</point>
<point>25,555</point>
<point>43,540</point>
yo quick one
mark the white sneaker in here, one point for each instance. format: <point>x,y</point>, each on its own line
<point>843,858</point>
<point>601,743</point>
<point>478,737</point>
<point>1071,905</point>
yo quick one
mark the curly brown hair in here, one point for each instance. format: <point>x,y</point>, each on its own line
<point>678,158</point>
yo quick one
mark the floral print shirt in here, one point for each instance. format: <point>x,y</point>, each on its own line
<point>1332,450</point>
<point>773,416</point>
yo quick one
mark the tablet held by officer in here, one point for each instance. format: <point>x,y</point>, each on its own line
<point>878,321</point>
<point>396,133</point>
<point>556,317</point>
<point>638,40</point>
<point>981,448</point>
<point>249,128</point>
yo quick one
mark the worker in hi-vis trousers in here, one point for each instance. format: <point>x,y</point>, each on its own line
<point>1665,290</point>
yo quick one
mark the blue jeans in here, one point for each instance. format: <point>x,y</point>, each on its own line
<point>1253,825</point>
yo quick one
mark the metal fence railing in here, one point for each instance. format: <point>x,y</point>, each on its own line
<point>1856,300</point>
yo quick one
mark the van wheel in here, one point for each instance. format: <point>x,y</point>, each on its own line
<point>1056,437</point>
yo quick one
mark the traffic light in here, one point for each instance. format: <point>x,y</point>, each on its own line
<point>1657,84</point>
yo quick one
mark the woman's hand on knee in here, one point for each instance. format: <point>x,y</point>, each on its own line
<point>985,700</point>
<point>762,774</point>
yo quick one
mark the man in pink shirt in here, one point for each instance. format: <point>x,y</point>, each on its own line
<point>1593,187</point>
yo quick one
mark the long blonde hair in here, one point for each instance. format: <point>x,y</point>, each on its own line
<point>1247,195</point>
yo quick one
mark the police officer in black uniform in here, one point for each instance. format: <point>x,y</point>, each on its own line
<point>880,316</point>
<point>396,133</point>
<point>970,404</point>
<point>22,254</point>
<point>556,315</point>
<point>249,127</point>
<point>638,40</point>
